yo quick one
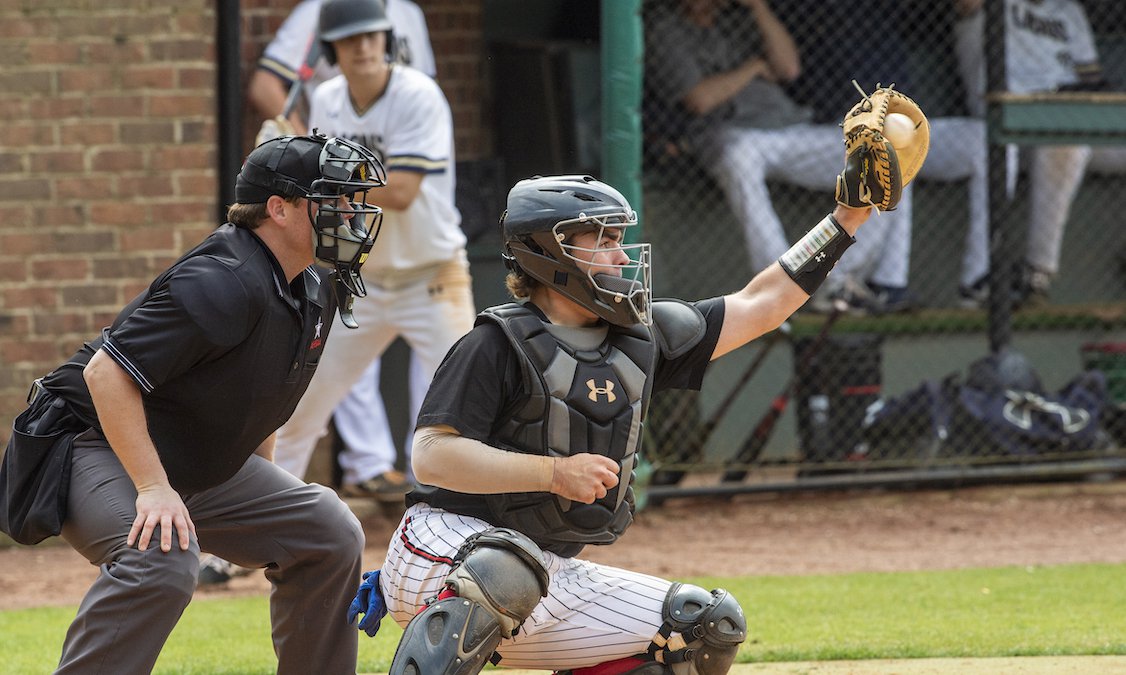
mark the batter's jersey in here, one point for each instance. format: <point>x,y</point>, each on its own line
<point>285,53</point>
<point>410,128</point>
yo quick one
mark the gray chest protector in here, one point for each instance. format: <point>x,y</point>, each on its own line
<point>582,401</point>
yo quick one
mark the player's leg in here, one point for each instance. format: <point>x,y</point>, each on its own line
<point>889,276</point>
<point>138,596</point>
<point>740,169</point>
<point>958,152</point>
<point>611,621</point>
<point>593,614</point>
<point>368,459</point>
<point>1055,175</point>
<point>349,353</point>
<point>431,316</point>
<point>311,547</point>
<point>418,385</point>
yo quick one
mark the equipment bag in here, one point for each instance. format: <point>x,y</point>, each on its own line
<point>1030,423</point>
<point>956,418</point>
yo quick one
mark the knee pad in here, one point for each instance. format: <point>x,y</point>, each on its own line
<point>499,576</point>
<point>708,627</point>
<point>504,571</point>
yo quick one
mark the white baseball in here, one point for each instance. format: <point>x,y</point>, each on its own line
<point>899,129</point>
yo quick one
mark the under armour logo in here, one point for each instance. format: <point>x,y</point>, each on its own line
<point>819,257</point>
<point>608,390</point>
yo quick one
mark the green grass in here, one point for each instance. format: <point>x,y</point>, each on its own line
<point>1012,611</point>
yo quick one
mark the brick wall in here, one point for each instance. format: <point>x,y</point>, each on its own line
<point>107,155</point>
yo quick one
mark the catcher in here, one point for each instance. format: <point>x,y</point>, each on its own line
<point>529,435</point>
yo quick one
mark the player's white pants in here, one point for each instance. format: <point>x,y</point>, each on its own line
<point>430,313</point>
<point>1055,172</point>
<point>810,156</point>
<point>958,152</point>
<point>592,613</point>
<point>361,421</point>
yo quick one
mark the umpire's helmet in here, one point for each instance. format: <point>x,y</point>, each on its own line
<point>321,170</point>
<point>542,215</point>
<point>345,18</point>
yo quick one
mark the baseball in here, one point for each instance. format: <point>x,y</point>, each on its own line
<point>899,129</point>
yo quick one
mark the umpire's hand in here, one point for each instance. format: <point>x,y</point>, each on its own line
<point>584,477</point>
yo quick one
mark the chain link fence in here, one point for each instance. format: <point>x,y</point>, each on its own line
<point>980,329</point>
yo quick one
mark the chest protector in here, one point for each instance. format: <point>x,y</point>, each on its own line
<point>578,401</point>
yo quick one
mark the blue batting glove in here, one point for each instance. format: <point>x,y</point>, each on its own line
<point>369,602</point>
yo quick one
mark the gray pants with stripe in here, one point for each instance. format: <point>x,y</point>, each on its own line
<point>304,535</point>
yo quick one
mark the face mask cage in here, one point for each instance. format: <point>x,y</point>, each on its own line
<point>345,231</point>
<point>613,283</point>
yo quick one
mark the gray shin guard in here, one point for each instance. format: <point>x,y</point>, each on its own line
<point>454,636</point>
<point>499,576</point>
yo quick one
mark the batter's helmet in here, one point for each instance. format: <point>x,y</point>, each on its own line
<point>321,170</point>
<point>542,215</point>
<point>345,18</point>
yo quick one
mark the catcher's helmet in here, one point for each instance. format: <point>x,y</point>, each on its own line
<point>344,18</point>
<point>542,215</point>
<point>321,170</point>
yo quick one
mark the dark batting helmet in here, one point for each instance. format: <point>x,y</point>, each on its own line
<point>344,18</point>
<point>321,170</point>
<point>542,215</point>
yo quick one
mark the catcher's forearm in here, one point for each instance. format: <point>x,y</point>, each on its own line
<point>444,458</point>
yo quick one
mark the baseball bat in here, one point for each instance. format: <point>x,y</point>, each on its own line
<point>753,446</point>
<point>704,433</point>
<point>304,72</point>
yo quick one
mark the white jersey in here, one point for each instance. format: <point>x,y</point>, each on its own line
<point>1044,43</point>
<point>410,128</point>
<point>285,53</point>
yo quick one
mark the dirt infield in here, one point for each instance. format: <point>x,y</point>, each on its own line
<point>1040,524</point>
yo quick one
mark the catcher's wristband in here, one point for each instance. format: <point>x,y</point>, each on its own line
<point>810,260</point>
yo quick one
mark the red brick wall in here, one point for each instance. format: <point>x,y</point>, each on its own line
<point>107,154</point>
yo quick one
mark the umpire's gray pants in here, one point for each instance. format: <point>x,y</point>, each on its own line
<point>304,535</point>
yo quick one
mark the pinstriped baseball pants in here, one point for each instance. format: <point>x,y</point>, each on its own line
<point>592,613</point>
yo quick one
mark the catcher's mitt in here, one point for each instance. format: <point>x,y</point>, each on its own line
<point>876,171</point>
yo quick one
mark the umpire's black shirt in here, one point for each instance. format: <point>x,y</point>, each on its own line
<point>222,349</point>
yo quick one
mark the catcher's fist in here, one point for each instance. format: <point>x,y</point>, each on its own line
<point>876,171</point>
<point>369,602</point>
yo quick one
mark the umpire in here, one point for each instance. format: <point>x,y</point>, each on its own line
<point>182,394</point>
